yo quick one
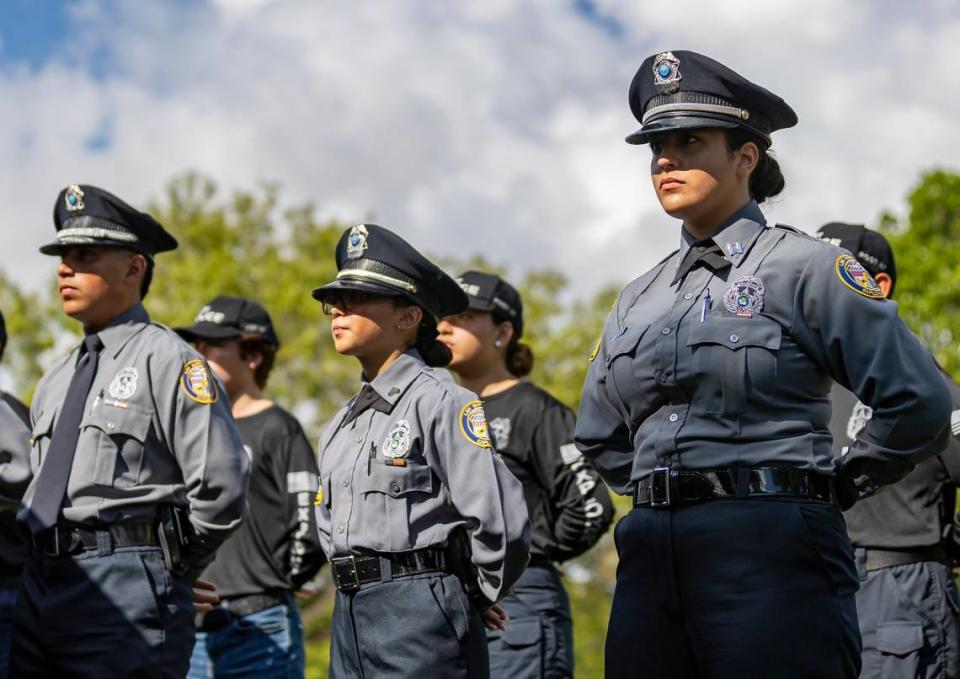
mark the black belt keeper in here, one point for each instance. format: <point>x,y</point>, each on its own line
<point>665,487</point>
<point>61,541</point>
<point>350,573</point>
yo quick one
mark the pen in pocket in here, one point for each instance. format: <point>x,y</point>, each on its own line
<point>371,455</point>
<point>707,300</point>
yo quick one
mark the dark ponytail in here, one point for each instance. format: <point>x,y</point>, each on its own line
<point>766,180</point>
<point>519,358</point>
<point>435,353</point>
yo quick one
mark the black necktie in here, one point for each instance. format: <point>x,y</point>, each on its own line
<point>367,398</point>
<point>705,252</point>
<point>52,479</point>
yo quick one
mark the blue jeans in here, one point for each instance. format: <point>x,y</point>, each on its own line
<point>8,602</point>
<point>265,644</point>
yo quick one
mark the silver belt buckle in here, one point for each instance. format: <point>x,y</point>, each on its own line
<point>661,494</point>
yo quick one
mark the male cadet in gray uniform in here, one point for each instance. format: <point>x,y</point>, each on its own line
<point>136,462</point>
<point>907,604</point>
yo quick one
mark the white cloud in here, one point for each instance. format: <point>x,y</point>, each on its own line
<point>493,126</point>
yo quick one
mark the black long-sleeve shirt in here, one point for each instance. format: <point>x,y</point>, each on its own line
<point>918,510</point>
<point>569,505</point>
<point>277,546</point>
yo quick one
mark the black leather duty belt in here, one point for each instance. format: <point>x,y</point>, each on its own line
<point>878,559</point>
<point>59,541</point>
<point>665,487</point>
<point>350,573</point>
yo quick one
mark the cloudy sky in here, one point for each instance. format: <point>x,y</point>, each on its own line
<point>476,125</point>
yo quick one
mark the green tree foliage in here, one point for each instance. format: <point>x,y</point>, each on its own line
<point>31,322</point>
<point>926,246</point>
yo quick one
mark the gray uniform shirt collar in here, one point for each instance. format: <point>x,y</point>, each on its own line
<point>393,382</point>
<point>122,328</point>
<point>735,236</point>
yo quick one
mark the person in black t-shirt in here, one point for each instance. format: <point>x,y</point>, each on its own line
<point>13,548</point>
<point>532,431</point>
<point>257,629</point>
<point>907,605</point>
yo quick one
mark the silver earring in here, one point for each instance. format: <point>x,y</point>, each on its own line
<point>497,343</point>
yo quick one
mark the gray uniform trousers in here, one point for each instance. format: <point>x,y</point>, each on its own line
<point>538,641</point>
<point>415,626</point>
<point>909,621</point>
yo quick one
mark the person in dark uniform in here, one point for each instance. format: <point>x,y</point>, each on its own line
<point>424,526</point>
<point>707,400</point>
<point>907,605</point>
<point>569,505</point>
<point>257,629</point>
<point>138,470</point>
<point>13,548</point>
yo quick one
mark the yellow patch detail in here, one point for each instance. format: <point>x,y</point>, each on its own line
<point>318,500</point>
<point>473,424</point>
<point>852,274</point>
<point>596,349</point>
<point>197,382</point>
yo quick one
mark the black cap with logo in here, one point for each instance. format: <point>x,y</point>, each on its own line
<point>228,318</point>
<point>488,292</point>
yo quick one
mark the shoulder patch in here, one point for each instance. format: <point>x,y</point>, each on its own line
<point>197,382</point>
<point>852,274</point>
<point>473,424</point>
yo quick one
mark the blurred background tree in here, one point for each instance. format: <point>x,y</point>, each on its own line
<point>244,244</point>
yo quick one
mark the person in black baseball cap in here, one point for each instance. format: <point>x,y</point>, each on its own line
<point>870,248</point>
<point>532,431</point>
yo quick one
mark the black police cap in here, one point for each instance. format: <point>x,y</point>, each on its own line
<point>686,90</point>
<point>488,292</point>
<point>226,317</point>
<point>870,248</point>
<point>87,215</point>
<point>373,259</point>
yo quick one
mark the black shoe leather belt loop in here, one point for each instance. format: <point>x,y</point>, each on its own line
<point>350,573</point>
<point>59,541</point>
<point>665,487</point>
<point>878,559</point>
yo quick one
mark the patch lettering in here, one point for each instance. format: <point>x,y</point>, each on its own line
<point>473,424</point>
<point>852,274</point>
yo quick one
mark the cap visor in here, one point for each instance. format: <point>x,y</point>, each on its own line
<point>343,284</point>
<point>57,247</point>
<point>202,331</point>
<point>671,123</point>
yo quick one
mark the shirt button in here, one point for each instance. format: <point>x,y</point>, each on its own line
<point>689,295</point>
<point>734,338</point>
<point>395,487</point>
<point>340,530</point>
<point>111,425</point>
<point>674,417</point>
<point>359,439</point>
<point>664,378</point>
<point>346,482</point>
<point>665,331</point>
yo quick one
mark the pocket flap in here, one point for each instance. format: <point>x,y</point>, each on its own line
<point>44,424</point>
<point>397,481</point>
<point>625,342</point>
<point>735,333</point>
<point>899,638</point>
<point>113,421</point>
<point>522,633</point>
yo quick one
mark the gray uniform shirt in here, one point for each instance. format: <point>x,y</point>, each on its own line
<point>14,457</point>
<point>156,429</point>
<point>407,472</point>
<point>680,379</point>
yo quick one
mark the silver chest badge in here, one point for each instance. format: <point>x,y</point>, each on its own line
<point>745,297</point>
<point>73,198</point>
<point>500,427</point>
<point>124,384</point>
<point>666,73</point>
<point>397,443</point>
<point>357,242</point>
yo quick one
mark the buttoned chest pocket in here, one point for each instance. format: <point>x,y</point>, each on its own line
<point>40,438</point>
<point>393,492</point>
<point>732,359</point>
<point>627,373</point>
<point>117,437</point>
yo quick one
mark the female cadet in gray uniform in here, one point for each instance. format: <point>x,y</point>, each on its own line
<point>707,400</point>
<point>569,505</point>
<point>411,496</point>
